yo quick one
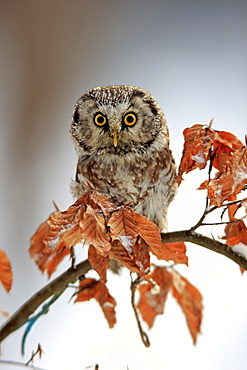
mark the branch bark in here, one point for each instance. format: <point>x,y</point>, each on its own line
<point>206,242</point>
<point>54,287</point>
<point>72,274</point>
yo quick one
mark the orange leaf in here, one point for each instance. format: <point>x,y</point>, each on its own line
<point>6,275</point>
<point>46,261</point>
<point>72,226</point>
<point>197,146</point>
<point>174,251</point>
<point>190,300</point>
<point>153,298</point>
<point>91,288</point>
<point>227,185</point>
<point>99,263</point>
<point>242,270</point>
<point>64,224</point>
<point>37,243</point>
<point>97,201</point>
<point>232,209</point>
<point>218,189</point>
<point>222,158</point>
<point>203,143</point>
<point>93,229</point>
<point>150,233</point>
<point>239,169</point>
<point>236,232</point>
<point>124,227</point>
<point>56,257</point>
<point>120,254</point>
<point>228,140</point>
<point>225,144</point>
<point>141,255</point>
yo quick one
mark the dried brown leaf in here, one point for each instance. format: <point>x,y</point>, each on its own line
<point>202,144</point>
<point>92,228</point>
<point>72,226</point>
<point>226,185</point>
<point>224,145</point>
<point>124,227</point>
<point>190,300</point>
<point>97,201</point>
<point>150,233</point>
<point>91,288</point>
<point>6,275</point>
<point>120,254</point>
<point>232,209</point>
<point>99,263</point>
<point>138,235</point>
<point>196,151</point>
<point>64,225</point>
<point>141,255</point>
<point>175,252</point>
<point>46,261</point>
<point>236,232</point>
<point>153,296</point>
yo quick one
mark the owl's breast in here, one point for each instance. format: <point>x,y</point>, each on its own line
<point>119,178</point>
<point>123,179</point>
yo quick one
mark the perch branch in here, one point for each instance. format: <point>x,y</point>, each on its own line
<point>54,287</point>
<point>206,242</point>
<point>60,283</point>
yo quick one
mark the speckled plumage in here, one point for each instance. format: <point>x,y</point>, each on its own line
<point>140,169</point>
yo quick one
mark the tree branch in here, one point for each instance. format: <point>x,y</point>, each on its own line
<point>206,242</point>
<point>54,287</point>
<point>72,274</point>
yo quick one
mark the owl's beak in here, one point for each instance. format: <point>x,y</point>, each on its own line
<point>115,139</point>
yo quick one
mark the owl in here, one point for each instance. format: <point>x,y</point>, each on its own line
<point>122,142</point>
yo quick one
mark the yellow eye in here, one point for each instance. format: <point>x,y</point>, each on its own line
<point>130,119</point>
<point>99,119</point>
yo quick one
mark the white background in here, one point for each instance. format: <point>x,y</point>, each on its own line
<point>191,55</point>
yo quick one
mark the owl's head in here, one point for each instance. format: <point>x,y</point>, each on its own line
<point>117,119</point>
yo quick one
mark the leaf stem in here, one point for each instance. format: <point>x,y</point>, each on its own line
<point>143,334</point>
<point>206,242</point>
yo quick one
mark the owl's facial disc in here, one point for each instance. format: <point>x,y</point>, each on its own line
<point>114,124</point>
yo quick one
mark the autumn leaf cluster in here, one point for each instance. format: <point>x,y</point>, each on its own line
<point>120,234</point>
<point>112,233</point>
<point>225,153</point>
<point>127,237</point>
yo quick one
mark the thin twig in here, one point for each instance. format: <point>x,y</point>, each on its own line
<point>216,223</point>
<point>199,223</point>
<point>38,351</point>
<point>143,334</point>
<point>206,242</point>
<point>209,210</point>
